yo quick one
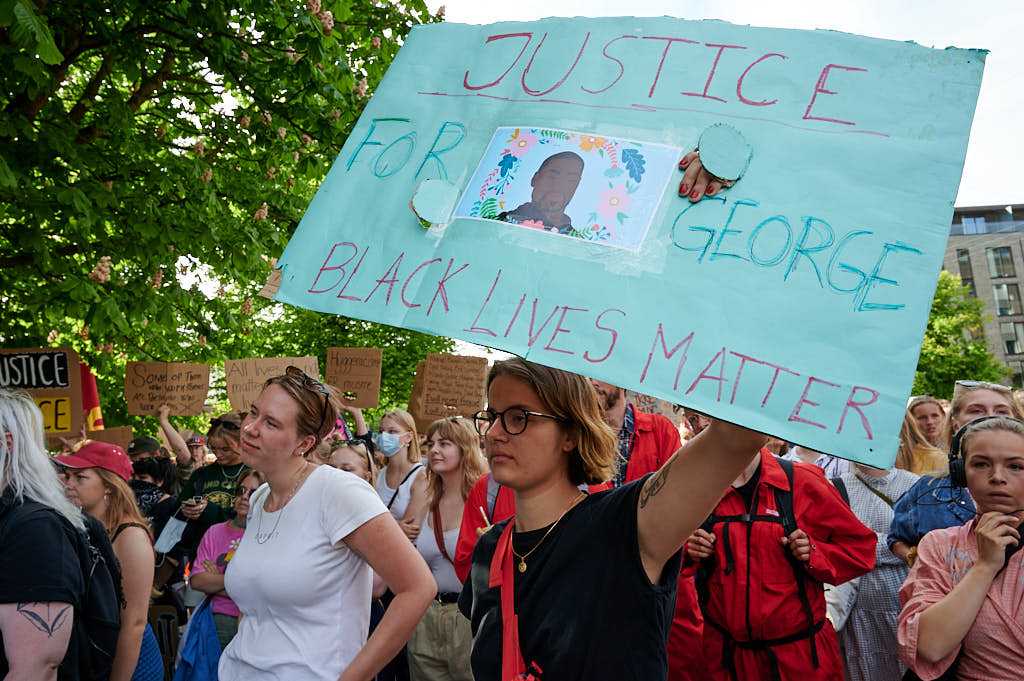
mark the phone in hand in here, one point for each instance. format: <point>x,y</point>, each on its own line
<point>193,501</point>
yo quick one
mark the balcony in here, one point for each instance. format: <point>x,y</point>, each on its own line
<point>976,226</point>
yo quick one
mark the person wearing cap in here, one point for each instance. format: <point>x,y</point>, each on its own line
<point>38,560</point>
<point>188,455</point>
<point>143,445</point>
<point>97,482</point>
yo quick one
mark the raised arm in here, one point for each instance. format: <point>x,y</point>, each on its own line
<point>381,543</point>
<point>677,499</point>
<point>178,446</point>
<point>35,638</point>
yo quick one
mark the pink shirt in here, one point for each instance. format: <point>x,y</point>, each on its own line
<point>218,546</point>
<point>993,649</point>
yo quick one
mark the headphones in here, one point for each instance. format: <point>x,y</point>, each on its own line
<point>957,464</point>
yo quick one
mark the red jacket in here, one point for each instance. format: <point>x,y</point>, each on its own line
<point>758,600</point>
<point>473,520</point>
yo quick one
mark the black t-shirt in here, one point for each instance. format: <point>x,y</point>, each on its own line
<point>39,564</point>
<point>747,489</point>
<point>586,608</point>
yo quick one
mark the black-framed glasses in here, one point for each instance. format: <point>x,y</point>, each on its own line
<point>310,383</point>
<point>514,419</point>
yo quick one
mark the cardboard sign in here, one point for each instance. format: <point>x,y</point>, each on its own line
<point>448,385</point>
<point>180,385</point>
<point>53,377</point>
<point>793,302</point>
<point>120,436</point>
<point>356,373</point>
<point>653,405</point>
<point>245,377</point>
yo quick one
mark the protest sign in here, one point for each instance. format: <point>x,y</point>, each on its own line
<point>245,377</point>
<point>180,385</point>
<point>53,377</point>
<point>794,302</point>
<point>120,436</point>
<point>355,372</point>
<point>448,385</point>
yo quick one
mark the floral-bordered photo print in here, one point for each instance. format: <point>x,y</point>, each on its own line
<point>578,185</point>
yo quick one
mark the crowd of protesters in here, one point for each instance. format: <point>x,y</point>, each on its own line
<point>561,533</point>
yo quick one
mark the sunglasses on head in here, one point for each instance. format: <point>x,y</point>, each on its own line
<point>984,385</point>
<point>310,383</point>
<point>223,423</point>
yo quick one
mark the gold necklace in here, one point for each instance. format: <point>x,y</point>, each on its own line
<point>522,558</point>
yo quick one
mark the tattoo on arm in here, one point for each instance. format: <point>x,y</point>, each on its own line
<point>655,483</point>
<point>46,617</point>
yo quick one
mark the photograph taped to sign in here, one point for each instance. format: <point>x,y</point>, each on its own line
<point>596,188</point>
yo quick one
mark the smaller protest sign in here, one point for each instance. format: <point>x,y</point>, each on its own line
<point>53,377</point>
<point>245,377</point>
<point>654,405</point>
<point>180,385</point>
<point>120,436</point>
<point>448,385</point>
<point>355,372</point>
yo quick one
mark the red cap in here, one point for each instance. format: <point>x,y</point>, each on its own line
<point>94,454</point>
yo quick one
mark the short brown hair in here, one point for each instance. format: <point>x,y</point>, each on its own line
<point>318,403</point>
<point>471,459</point>
<point>572,399</point>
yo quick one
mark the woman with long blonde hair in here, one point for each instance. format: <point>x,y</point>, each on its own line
<point>97,482</point>
<point>916,454</point>
<point>441,645</point>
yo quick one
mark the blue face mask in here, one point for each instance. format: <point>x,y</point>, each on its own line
<point>388,444</point>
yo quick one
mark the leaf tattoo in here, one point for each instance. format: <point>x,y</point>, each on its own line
<point>43,617</point>
<point>655,483</point>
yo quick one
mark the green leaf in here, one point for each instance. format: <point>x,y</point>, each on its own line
<point>7,178</point>
<point>30,28</point>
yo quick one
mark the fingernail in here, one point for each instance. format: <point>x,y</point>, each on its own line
<point>684,188</point>
<point>685,162</point>
<point>695,196</point>
<point>710,191</point>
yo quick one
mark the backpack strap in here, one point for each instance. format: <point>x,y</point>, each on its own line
<point>784,504</point>
<point>843,492</point>
<point>493,487</point>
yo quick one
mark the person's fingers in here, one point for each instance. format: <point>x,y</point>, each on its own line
<point>690,176</point>
<point>687,160</point>
<point>699,187</point>
<point>714,186</point>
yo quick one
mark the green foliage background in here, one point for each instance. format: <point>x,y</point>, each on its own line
<point>183,140</point>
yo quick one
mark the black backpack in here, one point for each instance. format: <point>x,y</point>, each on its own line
<point>98,619</point>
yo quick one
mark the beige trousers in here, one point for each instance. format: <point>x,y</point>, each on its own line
<point>440,646</point>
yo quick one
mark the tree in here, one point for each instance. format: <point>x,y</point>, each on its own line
<point>954,342</point>
<point>155,156</point>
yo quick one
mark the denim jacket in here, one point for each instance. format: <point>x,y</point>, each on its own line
<point>931,504</point>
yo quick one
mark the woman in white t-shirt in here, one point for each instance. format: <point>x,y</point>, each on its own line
<point>301,574</point>
<point>440,648</point>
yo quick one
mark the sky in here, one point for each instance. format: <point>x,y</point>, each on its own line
<point>994,169</point>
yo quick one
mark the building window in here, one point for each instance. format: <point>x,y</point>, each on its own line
<point>1007,299</point>
<point>1000,262</point>
<point>974,225</point>
<point>1013,337</point>
<point>963,259</point>
<point>1017,370</point>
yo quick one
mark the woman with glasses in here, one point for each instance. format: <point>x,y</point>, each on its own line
<point>962,615</point>
<point>581,586</point>
<point>216,550</point>
<point>301,576</point>
<point>439,648</point>
<point>208,496</point>
<point>933,502</point>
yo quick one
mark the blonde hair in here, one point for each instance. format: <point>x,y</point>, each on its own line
<point>960,394</point>
<point>25,467</point>
<point>121,505</point>
<point>915,453</point>
<point>572,399</point>
<point>999,424</point>
<point>324,452</point>
<point>406,420</point>
<point>471,460</point>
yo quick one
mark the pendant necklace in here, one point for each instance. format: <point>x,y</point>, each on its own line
<point>261,539</point>
<point>522,559</point>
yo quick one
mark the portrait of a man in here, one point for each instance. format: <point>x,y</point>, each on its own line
<point>554,184</point>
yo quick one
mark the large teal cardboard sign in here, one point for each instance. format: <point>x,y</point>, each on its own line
<point>793,303</point>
